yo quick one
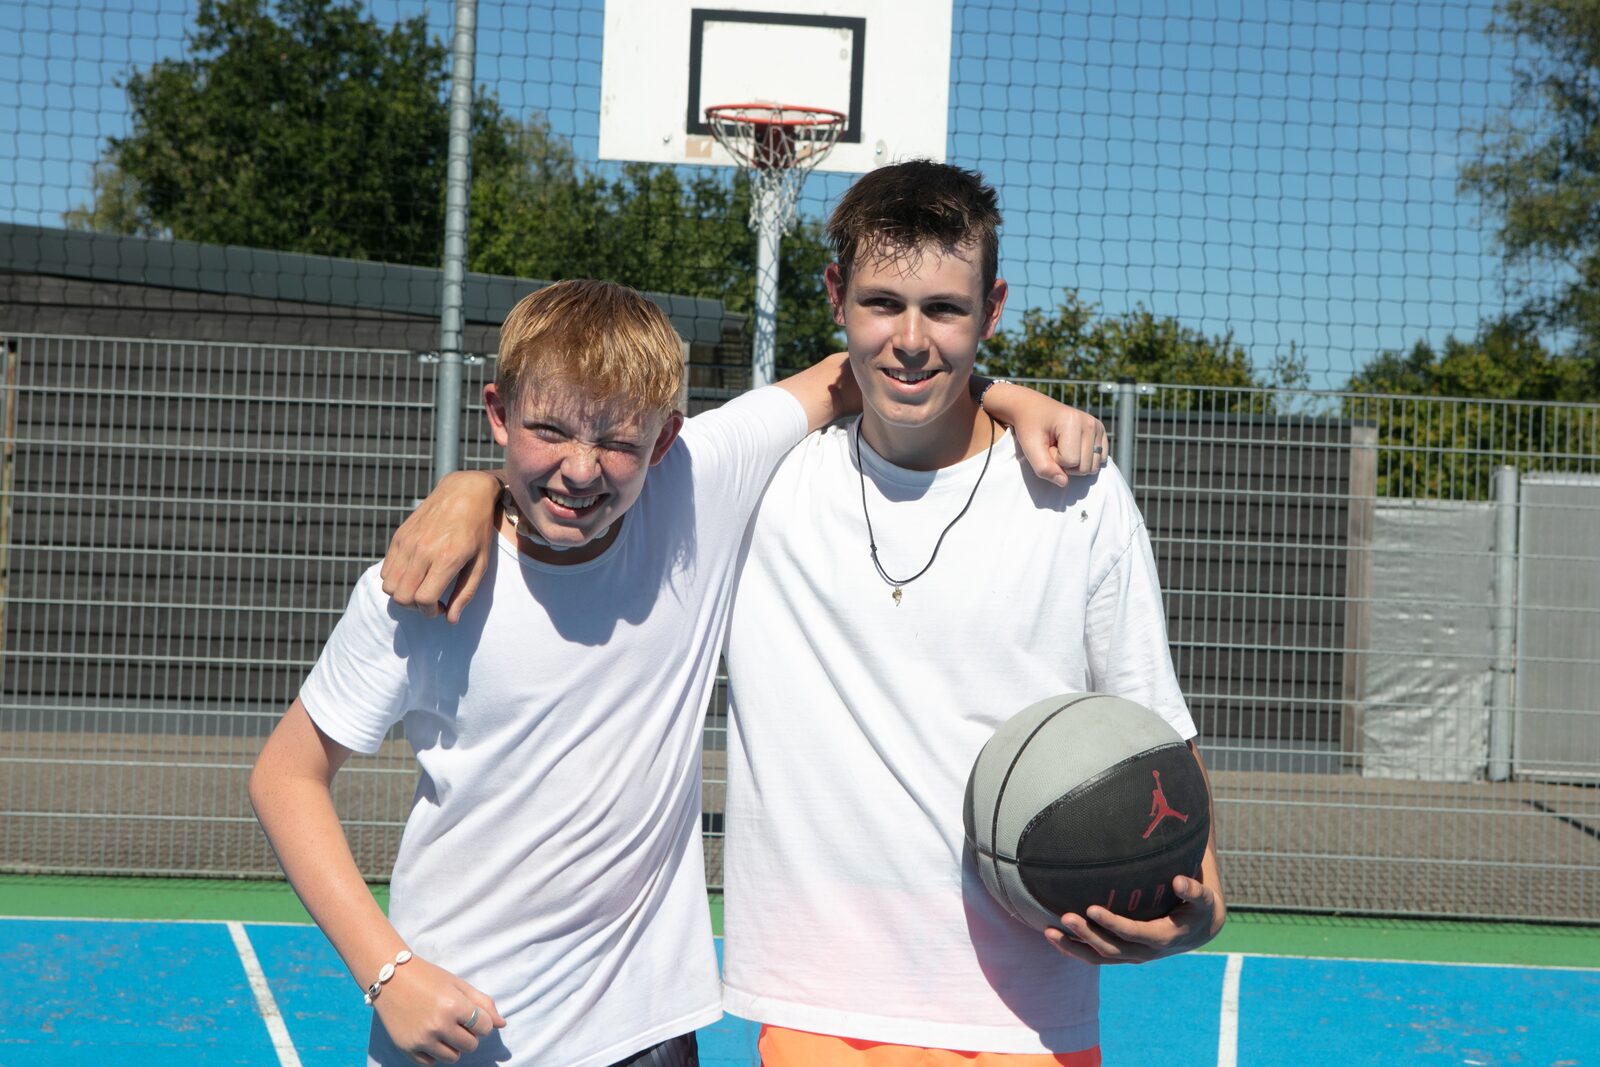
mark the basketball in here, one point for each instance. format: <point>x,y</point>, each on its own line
<point>1086,799</point>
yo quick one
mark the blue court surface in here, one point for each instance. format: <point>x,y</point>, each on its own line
<point>95,992</point>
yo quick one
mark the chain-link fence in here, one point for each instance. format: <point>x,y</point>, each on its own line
<point>1286,190</point>
<point>185,523</point>
<point>1295,237</point>
<point>186,519</point>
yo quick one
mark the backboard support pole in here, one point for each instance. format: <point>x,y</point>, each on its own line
<point>776,145</point>
<point>764,352</point>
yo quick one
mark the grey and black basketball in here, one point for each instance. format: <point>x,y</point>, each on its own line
<point>1086,799</point>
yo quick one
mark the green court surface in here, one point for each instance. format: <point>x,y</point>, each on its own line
<point>1255,933</point>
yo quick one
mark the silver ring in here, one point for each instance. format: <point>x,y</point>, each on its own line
<point>1097,450</point>
<point>471,1019</point>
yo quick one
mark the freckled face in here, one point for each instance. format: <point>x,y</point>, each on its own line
<point>576,464</point>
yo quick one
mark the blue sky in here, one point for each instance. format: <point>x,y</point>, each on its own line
<point>1287,173</point>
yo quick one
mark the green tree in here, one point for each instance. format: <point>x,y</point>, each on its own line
<point>305,126</point>
<point>115,206</point>
<point>1077,341</point>
<point>1537,164</point>
<point>653,229</point>
<point>301,125</point>
<point>1505,361</point>
<point>1446,418</point>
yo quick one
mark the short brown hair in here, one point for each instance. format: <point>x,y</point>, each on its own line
<point>896,209</point>
<point>601,336</point>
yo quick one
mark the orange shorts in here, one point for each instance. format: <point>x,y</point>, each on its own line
<point>796,1048</point>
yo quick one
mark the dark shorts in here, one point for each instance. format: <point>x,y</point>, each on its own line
<point>681,1051</point>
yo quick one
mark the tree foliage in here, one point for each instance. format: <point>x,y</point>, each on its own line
<point>115,206</point>
<point>1078,341</point>
<point>1537,165</point>
<point>1505,361</point>
<point>654,229</point>
<point>1447,445</point>
<point>305,126</point>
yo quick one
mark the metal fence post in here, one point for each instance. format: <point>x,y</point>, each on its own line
<point>1125,432</point>
<point>1503,676</point>
<point>8,433</point>
<point>447,394</point>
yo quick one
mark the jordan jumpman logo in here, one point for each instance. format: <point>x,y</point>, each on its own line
<point>1159,808</point>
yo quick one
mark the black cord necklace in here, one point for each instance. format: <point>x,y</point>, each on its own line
<point>897,584</point>
<point>525,528</point>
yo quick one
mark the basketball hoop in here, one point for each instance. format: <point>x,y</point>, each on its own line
<point>777,145</point>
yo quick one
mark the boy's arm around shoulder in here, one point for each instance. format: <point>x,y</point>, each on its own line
<point>1057,440</point>
<point>423,1006</point>
<point>448,539</point>
<point>445,545</point>
<point>827,390</point>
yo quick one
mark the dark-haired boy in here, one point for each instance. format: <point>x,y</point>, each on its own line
<point>907,586</point>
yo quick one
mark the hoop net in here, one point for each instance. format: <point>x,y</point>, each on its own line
<point>777,145</point>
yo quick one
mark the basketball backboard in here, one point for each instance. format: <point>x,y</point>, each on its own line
<point>884,63</point>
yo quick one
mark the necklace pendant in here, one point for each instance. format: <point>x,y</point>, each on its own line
<point>896,595</point>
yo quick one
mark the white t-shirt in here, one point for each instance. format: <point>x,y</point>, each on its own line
<point>552,854</point>
<point>849,908</point>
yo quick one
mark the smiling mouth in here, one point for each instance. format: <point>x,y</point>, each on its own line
<point>909,377</point>
<point>578,504</point>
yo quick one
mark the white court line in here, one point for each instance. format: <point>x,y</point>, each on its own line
<point>1228,1031</point>
<point>265,1004</point>
<point>1415,960</point>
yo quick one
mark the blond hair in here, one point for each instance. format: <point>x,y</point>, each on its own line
<point>602,337</point>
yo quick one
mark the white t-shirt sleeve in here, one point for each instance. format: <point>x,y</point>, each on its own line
<point>1125,628</point>
<point>737,446</point>
<point>360,685</point>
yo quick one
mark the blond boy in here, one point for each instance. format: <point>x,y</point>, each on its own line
<point>548,901</point>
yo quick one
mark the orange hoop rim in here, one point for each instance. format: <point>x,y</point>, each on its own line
<point>777,115</point>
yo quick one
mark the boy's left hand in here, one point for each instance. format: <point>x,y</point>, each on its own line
<point>448,539</point>
<point>1101,937</point>
<point>1056,440</point>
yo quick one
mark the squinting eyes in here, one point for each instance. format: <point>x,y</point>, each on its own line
<point>554,436</point>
